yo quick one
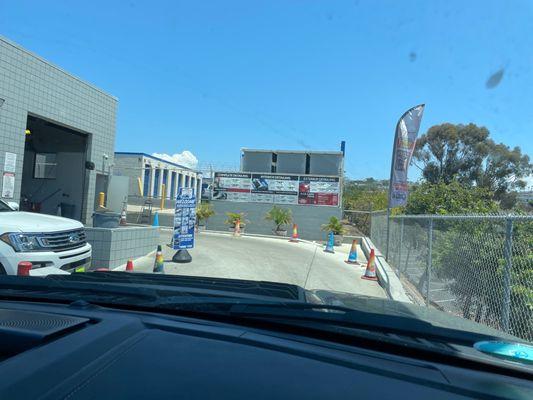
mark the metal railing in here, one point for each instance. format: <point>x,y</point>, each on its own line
<point>479,267</point>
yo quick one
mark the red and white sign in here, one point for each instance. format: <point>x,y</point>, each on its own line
<point>276,188</point>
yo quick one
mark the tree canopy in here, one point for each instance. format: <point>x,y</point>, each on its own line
<point>466,154</point>
<point>452,198</point>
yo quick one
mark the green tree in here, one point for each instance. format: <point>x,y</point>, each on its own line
<point>469,255</point>
<point>452,198</point>
<point>366,195</point>
<point>466,154</point>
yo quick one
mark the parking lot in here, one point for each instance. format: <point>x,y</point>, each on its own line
<point>267,259</point>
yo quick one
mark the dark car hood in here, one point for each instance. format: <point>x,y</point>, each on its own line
<point>280,292</point>
<point>387,307</point>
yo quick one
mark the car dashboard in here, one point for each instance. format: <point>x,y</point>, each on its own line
<point>83,351</point>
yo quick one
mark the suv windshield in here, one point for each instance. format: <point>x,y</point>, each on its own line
<point>371,156</point>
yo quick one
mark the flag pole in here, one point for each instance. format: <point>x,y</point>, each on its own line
<point>390,186</point>
<point>394,149</point>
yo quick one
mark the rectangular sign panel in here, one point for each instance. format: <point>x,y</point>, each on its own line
<point>231,186</point>
<point>184,219</point>
<point>268,188</point>
<point>319,190</point>
<point>276,188</point>
<point>8,185</point>
<point>10,162</point>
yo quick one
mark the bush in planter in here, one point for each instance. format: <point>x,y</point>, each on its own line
<point>204,212</point>
<point>281,217</point>
<point>233,217</point>
<point>335,225</point>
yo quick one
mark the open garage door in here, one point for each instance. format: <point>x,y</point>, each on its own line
<point>53,176</point>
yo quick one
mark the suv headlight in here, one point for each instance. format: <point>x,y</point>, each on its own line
<point>21,241</point>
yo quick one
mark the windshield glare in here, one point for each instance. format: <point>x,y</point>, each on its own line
<point>358,154</point>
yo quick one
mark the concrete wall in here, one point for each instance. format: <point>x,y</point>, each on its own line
<point>29,84</point>
<point>308,218</point>
<point>291,163</point>
<point>325,164</point>
<point>256,161</point>
<point>113,247</point>
<point>132,167</point>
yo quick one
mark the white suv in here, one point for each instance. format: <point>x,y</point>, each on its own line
<point>52,244</point>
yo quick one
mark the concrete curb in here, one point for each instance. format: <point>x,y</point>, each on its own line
<point>227,233</point>
<point>139,260</point>
<point>387,277</point>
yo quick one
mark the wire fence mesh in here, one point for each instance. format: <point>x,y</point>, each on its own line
<point>479,267</point>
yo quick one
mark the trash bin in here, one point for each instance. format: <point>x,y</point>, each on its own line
<point>106,220</point>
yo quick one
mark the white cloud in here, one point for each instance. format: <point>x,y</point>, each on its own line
<point>185,158</point>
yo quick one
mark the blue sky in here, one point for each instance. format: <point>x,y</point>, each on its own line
<point>214,76</point>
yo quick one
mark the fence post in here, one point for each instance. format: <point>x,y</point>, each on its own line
<point>506,304</point>
<point>399,266</point>
<point>430,245</point>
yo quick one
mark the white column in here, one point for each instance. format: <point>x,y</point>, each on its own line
<point>198,188</point>
<point>152,182</point>
<point>159,181</point>
<point>174,177</point>
<point>169,184</point>
<point>182,179</point>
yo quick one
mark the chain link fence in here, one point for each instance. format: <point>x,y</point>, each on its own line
<point>478,267</point>
<point>359,221</point>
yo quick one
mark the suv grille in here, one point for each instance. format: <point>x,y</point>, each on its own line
<point>60,241</point>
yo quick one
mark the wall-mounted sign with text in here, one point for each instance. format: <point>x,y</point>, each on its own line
<point>276,188</point>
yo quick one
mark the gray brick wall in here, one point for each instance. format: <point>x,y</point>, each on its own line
<point>308,218</point>
<point>29,84</point>
<point>113,247</point>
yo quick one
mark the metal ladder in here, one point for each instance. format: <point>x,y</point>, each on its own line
<point>145,217</point>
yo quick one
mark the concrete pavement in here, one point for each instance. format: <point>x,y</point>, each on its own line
<point>268,259</point>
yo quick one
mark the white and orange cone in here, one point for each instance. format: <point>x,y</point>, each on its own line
<point>370,272</point>
<point>129,266</point>
<point>294,238</point>
<point>237,230</point>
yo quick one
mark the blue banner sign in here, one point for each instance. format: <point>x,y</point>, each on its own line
<point>184,219</point>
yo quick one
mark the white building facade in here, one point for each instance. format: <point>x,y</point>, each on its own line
<point>153,177</point>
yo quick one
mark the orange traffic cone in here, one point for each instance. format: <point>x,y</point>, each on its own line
<point>294,238</point>
<point>237,230</point>
<point>129,266</point>
<point>370,272</point>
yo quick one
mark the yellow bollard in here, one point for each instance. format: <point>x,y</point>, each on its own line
<point>163,193</point>
<point>101,199</point>
<point>140,186</point>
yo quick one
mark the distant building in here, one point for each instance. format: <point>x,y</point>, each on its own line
<point>292,162</point>
<point>148,174</point>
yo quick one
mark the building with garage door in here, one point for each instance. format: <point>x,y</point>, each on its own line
<point>153,177</point>
<point>57,135</point>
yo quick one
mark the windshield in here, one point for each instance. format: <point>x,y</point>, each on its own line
<point>350,154</point>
